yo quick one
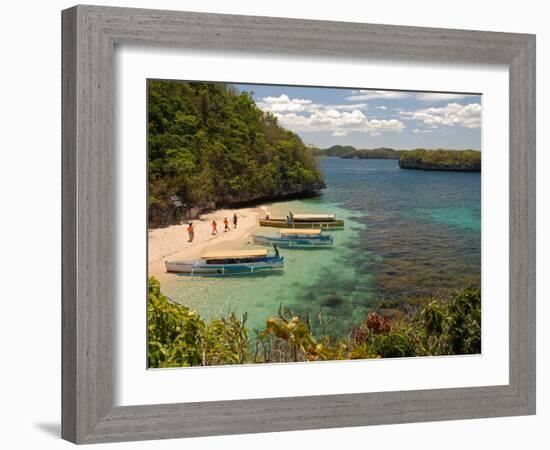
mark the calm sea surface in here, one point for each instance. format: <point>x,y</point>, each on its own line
<point>408,233</point>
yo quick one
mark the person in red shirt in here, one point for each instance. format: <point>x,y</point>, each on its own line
<point>214,227</point>
<point>191,232</point>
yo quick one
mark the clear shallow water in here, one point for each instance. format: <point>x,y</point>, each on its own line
<point>408,233</point>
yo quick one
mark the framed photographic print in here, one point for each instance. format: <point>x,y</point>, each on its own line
<point>264,230</point>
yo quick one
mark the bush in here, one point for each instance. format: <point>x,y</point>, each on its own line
<point>179,337</point>
<point>173,331</point>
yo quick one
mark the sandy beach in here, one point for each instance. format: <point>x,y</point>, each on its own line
<point>172,242</point>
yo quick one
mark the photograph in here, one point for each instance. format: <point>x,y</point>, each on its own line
<point>271,225</point>
<point>300,224</point>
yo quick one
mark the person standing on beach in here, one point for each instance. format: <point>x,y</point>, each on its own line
<point>191,232</point>
<point>214,227</point>
<point>226,223</point>
<point>234,220</point>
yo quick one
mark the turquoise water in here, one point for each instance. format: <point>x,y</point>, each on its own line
<point>408,233</point>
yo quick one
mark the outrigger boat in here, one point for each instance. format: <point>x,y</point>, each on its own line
<point>295,238</point>
<point>225,263</point>
<point>314,221</point>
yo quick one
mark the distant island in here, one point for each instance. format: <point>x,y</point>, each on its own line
<point>446,160</point>
<point>350,152</point>
<point>420,158</point>
<point>211,146</point>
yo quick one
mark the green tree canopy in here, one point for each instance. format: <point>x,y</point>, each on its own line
<point>209,144</point>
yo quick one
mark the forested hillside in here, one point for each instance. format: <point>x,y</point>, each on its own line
<point>209,145</point>
<point>447,160</point>
<point>350,152</point>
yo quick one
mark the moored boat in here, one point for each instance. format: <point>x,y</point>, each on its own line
<point>295,238</point>
<point>313,221</point>
<point>226,263</point>
<point>313,217</point>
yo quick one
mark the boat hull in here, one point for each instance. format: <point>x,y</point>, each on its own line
<point>282,223</point>
<point>298,243</point>
<point>201,268</point>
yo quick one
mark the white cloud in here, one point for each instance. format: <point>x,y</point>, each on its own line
<point>382,107</point>
<point>434,96</point>
<point>468,116</point>
<point>348,107</point>
<point>363,94</point>
<point>302,115</point>
<point>284,104</point>
<point>419,131</point>
<point>338,123</point>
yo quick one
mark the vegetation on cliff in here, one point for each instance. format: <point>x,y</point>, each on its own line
<point>348,151</point>
<point>179,337</point>
<point>448,160</point>
<point>210,145</point>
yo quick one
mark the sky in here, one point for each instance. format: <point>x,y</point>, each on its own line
<point>373,118</point>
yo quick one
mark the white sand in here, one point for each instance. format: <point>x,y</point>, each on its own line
<point>172,242</point>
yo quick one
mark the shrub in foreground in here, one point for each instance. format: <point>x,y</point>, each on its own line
<point>177,336</point>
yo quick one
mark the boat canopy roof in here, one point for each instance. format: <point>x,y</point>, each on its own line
<point>236,254</point>
<point>305,217</point>
<point>300,231</point>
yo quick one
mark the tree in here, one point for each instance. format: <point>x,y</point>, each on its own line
<point>209,144</point>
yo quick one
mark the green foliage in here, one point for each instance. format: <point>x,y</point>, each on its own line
<point>395,344</point>
<point>226,342</point>
<point>335,150</point>
<point>348,151</point>
<point>451,327</point>
<point>209,144</point>
<point>179,337</point>
<point>452,160</point>
<point>293,339</point>
<point>173,331</point>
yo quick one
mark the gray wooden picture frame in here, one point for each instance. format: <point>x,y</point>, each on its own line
<point>90,34</point>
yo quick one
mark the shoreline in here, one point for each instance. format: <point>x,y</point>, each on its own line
<point>172,242</point>
<point>195,212</point>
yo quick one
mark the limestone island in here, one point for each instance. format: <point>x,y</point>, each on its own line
<point>350,152</point>
<point>445,160</point>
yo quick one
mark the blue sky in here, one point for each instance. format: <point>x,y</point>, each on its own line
<point>374,118</point>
